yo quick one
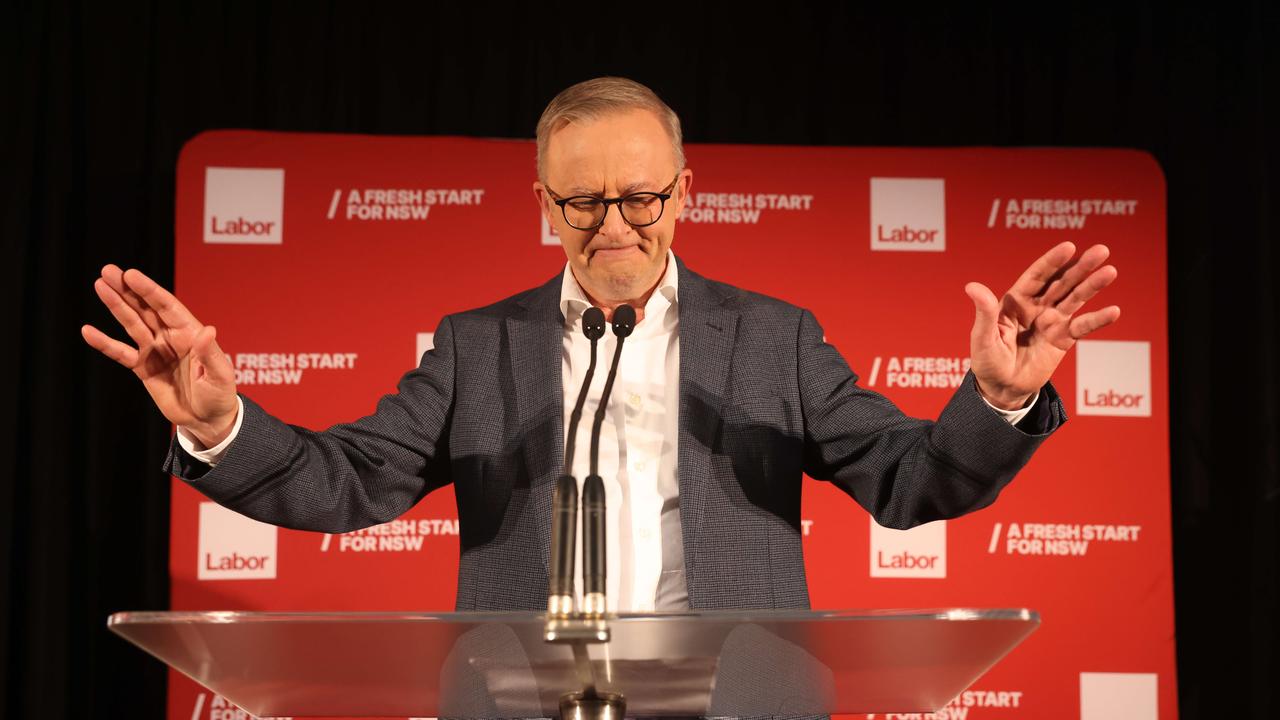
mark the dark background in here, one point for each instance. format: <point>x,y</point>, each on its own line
<point>97,99</point>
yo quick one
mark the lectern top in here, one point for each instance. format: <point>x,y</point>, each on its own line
<point>487,664</point>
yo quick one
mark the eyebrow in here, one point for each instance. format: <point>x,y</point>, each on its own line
<point>626,190</point>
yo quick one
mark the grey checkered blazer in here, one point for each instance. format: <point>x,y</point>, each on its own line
<point>762,400</point>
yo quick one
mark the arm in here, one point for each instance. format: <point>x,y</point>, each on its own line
<point>350,476</point>
<point>190,444</point>
<point>905,471</point>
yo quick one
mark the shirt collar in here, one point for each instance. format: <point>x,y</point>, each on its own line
<point>573,301</point>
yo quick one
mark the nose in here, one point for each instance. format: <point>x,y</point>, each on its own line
<point>614,224</point>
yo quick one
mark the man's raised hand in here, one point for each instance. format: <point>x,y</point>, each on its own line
<point>1018,341</point>
<point>177,358</point>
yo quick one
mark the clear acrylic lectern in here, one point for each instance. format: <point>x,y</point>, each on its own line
<point>491,665</point>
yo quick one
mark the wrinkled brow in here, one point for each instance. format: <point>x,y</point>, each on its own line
<point>625,190</point>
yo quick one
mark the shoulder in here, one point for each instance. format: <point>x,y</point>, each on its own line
<point>756,306</point>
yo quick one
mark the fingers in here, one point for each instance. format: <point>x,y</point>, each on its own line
<point>114,277</point>
<point>1088,322</point>
<point>110,347</point>
<point>171,312</point>
<point>124,313</point>
<point>1073,273</point>
<point>1081,293</point>
<point>211,356</point>
<point>986,311</point>
<point>1037,277</point>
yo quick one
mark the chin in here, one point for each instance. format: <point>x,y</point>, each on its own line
<point>623,286</point>
<point>622,280</point>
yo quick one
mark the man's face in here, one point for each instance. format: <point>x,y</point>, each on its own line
<point>616,155</point>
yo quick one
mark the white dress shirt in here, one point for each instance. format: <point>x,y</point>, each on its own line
<point>644,546</point>
<point>644,550</point>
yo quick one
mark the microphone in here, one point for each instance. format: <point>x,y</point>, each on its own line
<point>593,496</point>
<point>624,321</point>
<point>593,546</point>
<point>564,529</point>
<point>564,517</point>
<point>593,328</point>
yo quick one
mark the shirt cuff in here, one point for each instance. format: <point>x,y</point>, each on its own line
<point>1013,417</point>
<point>211,456</point>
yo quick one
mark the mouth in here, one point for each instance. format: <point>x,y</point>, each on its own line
<point>614,253</point>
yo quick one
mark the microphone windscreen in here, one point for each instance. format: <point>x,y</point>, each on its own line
<point>593,323</point>
<point>624,320</point>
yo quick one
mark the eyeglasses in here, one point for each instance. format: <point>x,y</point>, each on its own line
<point>639,209</point>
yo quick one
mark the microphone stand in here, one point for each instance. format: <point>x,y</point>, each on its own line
<point>564,514</point>
<point>590,625</point>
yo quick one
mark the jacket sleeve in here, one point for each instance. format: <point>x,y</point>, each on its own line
<point>906,471</point>
<point>350,476</point>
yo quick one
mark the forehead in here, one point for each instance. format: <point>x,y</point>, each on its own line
<point>605,154</point>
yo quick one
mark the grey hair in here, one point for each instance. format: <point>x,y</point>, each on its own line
<point>595,98</point>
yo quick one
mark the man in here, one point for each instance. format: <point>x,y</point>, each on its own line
<point>724,398</point>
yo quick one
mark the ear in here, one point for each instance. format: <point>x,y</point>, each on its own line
<point>545,203</point>
<point>681,192</point>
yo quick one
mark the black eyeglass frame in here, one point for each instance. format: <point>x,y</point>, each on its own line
<point>663,196</point>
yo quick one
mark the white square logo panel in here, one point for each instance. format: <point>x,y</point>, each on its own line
<point>244,205</point>
<point>426,341</point>
<point>908,214</point>
<point>549,234</point>
<point>1113,377</point>
<point>1118,696</point>
<point>920,552</point>
<point>234,547</point>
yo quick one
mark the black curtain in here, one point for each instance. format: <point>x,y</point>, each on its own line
<point>98,98</point>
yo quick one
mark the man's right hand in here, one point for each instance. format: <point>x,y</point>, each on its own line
<point>178,359</point>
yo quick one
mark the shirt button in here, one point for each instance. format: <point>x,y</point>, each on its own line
<point>634,400</point>
<point>645,534</point>
<point>639,465</point>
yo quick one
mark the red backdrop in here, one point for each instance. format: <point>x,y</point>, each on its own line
<point>325,259</point>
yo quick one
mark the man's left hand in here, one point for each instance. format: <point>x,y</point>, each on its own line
<point>1018,341</point>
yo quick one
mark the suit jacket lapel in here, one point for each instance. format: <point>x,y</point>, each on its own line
<point>536,335</point>
<point>708,330</point>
